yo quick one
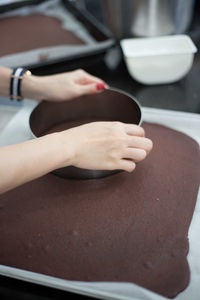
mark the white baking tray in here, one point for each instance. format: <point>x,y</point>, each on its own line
<point>18,130</point>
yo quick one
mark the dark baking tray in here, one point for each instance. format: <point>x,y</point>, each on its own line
<point>97,30</point>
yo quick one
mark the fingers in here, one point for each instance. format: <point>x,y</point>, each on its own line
<point>92,88</point>
<point>100,87</point>
<point>132,129</point>
<point>126,165</point>
<point>89,84</point>
<point>86,78</point>
<point>140,143</point>
<point>130,157</point>
<point>135,136</point>
<point>134,154</point>
<point>88,89</point>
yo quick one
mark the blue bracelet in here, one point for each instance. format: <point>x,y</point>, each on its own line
<point>15,83</point>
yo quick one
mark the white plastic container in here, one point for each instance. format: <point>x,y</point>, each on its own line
<point>158,60</point>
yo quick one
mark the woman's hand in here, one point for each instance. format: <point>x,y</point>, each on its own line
<point>98,146</point>
<point>61,87</point>
<point>104,146</point>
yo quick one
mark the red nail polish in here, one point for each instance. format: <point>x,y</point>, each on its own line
<point>100,86</point>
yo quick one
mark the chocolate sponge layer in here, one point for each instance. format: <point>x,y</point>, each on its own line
<point>23,33</point>
<point>126,227</point>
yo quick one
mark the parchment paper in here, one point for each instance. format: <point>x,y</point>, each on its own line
<point>18,130</point>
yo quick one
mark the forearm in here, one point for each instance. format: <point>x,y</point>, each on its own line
<point>26,161</point>
<point>5,74</point>
<point>59,87</point>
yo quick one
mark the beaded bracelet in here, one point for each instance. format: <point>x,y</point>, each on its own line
<point>15,83</point>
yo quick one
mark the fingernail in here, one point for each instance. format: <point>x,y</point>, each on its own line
<point>100,86</point>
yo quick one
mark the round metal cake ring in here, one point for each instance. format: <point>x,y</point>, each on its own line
<point>110,105</point>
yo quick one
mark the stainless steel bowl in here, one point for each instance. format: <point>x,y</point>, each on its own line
<point>111,105</point>
<point>147,18</point>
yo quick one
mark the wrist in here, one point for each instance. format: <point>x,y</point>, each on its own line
<point>62,149</point>
<point>32,87</point>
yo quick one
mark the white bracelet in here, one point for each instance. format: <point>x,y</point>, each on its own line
<point>15,83</point>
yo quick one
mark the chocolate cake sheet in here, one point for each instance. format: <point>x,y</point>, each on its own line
<point>125,228</point>
<point>45,32</point>
<point>24,33</point>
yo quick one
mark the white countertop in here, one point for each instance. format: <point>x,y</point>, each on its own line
<point>6,114</point>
